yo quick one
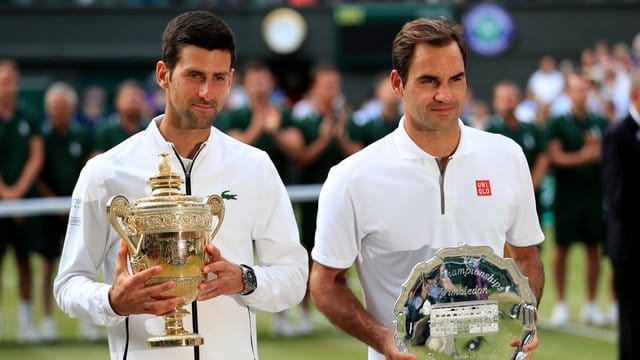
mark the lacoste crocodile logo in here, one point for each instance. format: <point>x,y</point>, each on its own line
<point>227,195</point>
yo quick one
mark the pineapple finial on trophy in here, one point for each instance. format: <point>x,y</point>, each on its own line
<point>165,182</point>
<point>165,167</point>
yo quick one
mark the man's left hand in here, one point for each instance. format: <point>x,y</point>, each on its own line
<point>227,279</point>
<point>527,349</point>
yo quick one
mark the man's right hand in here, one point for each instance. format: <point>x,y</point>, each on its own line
<point>590,151</point>
<point>391,351</point>
<point>328,287</point>
<point>271,119</point>
<point>129,294</point>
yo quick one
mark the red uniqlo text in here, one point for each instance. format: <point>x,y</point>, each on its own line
<point>483,187</point>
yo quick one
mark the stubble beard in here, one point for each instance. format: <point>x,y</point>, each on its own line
<point>433,122</point>
<point>193,120</point>
<point>436,124</point>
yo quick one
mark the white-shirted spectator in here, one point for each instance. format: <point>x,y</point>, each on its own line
<point>547,82</point>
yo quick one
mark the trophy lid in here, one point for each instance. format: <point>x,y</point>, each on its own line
<point>165,182</point>
<point>165,188</point>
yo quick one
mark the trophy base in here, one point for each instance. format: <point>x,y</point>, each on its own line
<point>186,339</point>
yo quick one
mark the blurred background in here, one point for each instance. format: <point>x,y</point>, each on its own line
<point>101,42</point>
<point>97,45</point>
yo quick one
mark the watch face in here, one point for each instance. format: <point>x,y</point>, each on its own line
<point>249,280</point>
<point>284,30</point>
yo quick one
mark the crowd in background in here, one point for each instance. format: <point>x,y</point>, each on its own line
<point>43,157</point>
<point>238,3</point>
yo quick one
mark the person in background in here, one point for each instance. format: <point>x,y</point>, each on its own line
<point>66,149</point>
<point>547,82</point>
<point>635,51</point>
<point>259,121</point>
<point>127,120</point>
<point>621,176</point>
<point>92,110</point>
<point>398,201</point>
<point>377,117</point>
<point>481,116</point>
<point>155,99</point>
<point>506,97</point>
<point>316,141</point>
<point>573,146</point>
<point>254,263</point>
<point>22,152</point>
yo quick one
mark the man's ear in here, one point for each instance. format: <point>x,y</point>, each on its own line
<point>162,74</point>
<point>396,83</point>
<point>232,73</point>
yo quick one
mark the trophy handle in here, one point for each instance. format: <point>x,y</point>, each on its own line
<point>118,207</point>
<point>400,322</point>
<point>217,209</point>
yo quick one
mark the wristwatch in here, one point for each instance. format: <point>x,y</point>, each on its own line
<point>248,279</point>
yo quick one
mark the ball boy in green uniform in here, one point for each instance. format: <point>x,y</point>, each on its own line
<point>21,150</point>
<point>574,151</point>
<point>66,147</point>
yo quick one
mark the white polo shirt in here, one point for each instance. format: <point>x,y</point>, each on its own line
<point>384,209</point>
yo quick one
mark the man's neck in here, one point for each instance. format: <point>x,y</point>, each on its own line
<point>259,102</point>
<point>441,143</point>
<point>323,107</point>
<point>510,121</point>
<point>390,113</point>
<point>61,128</point>
<point>6,110</point>
<point>187,142</point>
<point>130,124</point>
<point>579,113</point>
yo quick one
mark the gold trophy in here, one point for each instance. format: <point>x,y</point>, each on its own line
<point>169,229</point>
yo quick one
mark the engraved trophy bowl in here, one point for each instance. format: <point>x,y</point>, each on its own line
<point>169,229</point>
<point>465,303</point>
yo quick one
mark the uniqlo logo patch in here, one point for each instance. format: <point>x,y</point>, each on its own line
<point>483,187</point>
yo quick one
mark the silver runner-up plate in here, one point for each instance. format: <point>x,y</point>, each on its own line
<point>465,303</point>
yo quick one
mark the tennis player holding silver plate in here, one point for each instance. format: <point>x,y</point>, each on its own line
<point>465,303</point>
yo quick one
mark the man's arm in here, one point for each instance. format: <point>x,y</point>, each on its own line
<point>588,154</point>
<point>308,154</point>
<point>347,145</point>
<point>530,264</point>
<point>251,134</point>
<point>332,296</point>
<point>540,169</point>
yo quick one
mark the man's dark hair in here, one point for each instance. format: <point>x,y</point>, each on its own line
<point>199,28</point>
<point>435,32</point>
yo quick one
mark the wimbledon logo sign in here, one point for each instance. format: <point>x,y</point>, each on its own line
<point>489,29</point>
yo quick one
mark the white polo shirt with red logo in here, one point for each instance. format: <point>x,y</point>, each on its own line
<point>385,209</point>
